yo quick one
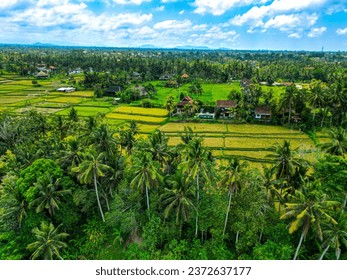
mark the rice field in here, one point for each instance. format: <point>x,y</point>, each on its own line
<point>12,99</point>
<point>85,111</point>
<point>147,128</point>
<point>67,100</point>
<point>137,118</point>
<point>196,127</point>
<point>141,111</point>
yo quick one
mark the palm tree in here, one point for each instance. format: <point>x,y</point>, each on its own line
<point>195,162</point>
<point>335,234</point>
<point>285,160</point>
<point>49,242</point>
<point>72,154</point>
<point>178,199</point>
<point>232,177</point>
<point>338,144</point>
<point>146,173</point>
<point>127,137</point>
<point>170,105</point>
<point>89,170</point>
<point>308,208</point>
<point>49,195</point>
<point>288,99</point>
<point>316,96</point>
<point>103,139</point>
<point>156,145</point>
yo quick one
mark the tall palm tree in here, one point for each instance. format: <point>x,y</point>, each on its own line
<point>49,195</point>
<point>316,96</point>
<point>49,242</point>
<point>178,199</point>
<point>196,162</point>
<point>71,155</point>
<point>285,160</point>
<point>103,139</point>
<point>170,105</point>
<point>89,170</point>
<point>338,144</point>
<point>335,234</point>
<point>232,177</point>
<point>308,207</point>
<point>146,173</point>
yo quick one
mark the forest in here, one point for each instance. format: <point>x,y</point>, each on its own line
<point>87,187</point>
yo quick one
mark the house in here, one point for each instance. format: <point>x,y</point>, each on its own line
<point>136,76</point>
<point>245,83</point>
<point>142,91</point>
<point>165,77</point>
<point>66,89</point>
<point>112,90</point>
<point>41,75</point>
<point>225,108</point>
<point>184,101</point>
<point>262,113</point>
<point>185,76</point>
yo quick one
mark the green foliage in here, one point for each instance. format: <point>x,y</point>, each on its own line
<point>272,251</point>
<point>33,173</point>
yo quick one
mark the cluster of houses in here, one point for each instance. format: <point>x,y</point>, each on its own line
<point>226,109</point>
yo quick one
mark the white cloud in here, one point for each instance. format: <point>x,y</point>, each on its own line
<point>255,15</point>
<point>168,1</point>
<point>316,32</point>
<point>4,4</point>
<point>200,27</point>
<point>341,31</point>
<point>173,24</point>
<point>292,21</point>
<point>295,35</point>
<point>126,2</point>
<point>181,12</point>
<point>160,8</point>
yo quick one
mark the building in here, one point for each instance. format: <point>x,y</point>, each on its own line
<point>66,89</point>
<point>226,108</point>
<point>206,116</point>
<point>112,90</point>
<point>41,75</point>
<point>262,113</point>
<point>184,101</point>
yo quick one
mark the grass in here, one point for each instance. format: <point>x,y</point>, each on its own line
<point>141,111</point>
<point>138,118</point>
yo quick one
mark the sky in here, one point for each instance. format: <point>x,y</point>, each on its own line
<point>234,24</point>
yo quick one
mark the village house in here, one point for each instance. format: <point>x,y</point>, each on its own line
<point>66,89</point>
<point>41,75</point>
<point>262,113</point>
<point>225,108</point>
<point>112,90</point>
<point>184,101</point>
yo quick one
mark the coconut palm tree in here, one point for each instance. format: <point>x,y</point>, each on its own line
<point>338,144</point>
<point>285,160</point>
<point>232,177</point>
<point>196,162</point>
<point>178,198</point>
<point>49,195</point>
<point>170,105</point>
<point>71,155</point>
<point>90,170</point>
<point>307,209</point>
<point>334,235</point>
<point>103,139</point>
<point>49,242</point>
<point>145,173</point>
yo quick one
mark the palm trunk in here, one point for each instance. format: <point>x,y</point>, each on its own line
<point>299,245</point>
<point>197,205</point>
<point>97,196</point>
<point>260,236</point>
<point>321,123</point>
<point>237,237</point>
<point>344,204</point>
<point>147,197</point>
<point>227,213</point>
<point>324,252</point>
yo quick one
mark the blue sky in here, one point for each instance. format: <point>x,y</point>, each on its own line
<point>234,24</point>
